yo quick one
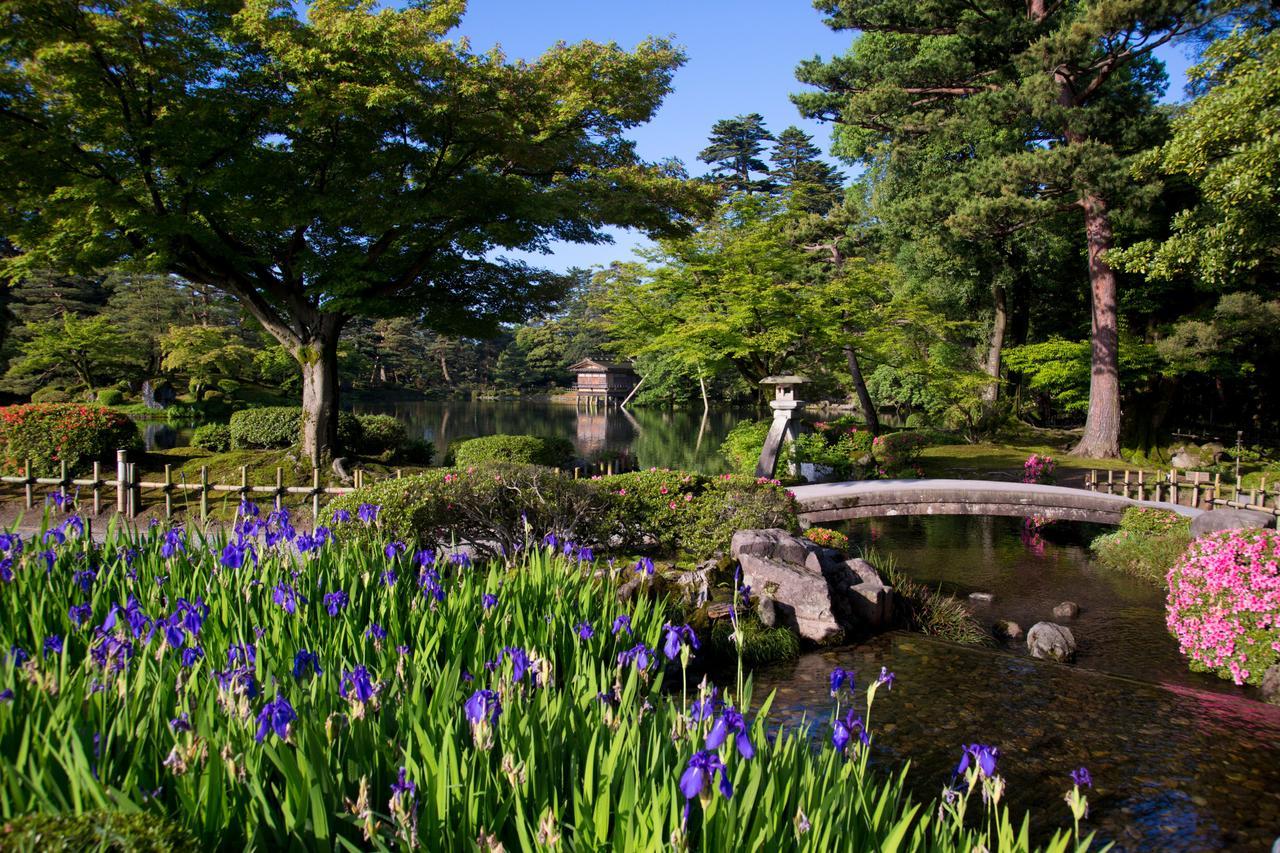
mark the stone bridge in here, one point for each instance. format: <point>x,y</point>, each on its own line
<point>824,502</point>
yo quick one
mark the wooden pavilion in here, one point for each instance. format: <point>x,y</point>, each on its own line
<point>600,382</point>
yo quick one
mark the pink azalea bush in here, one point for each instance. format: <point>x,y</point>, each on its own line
<point>1224,603</point>
<point>1038,469</point>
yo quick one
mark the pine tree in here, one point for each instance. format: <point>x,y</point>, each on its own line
<point>811,184</point>
<point>734,153</point>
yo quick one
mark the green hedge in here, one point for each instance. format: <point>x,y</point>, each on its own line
<point>99,831</point>
<point>526,449</point>
<point>281,426</point>
<point>50,395</point>
<point>499,506</point>
<point>49,433</point>
<point>110,396</point>
<point>215,437</point>
<point>1147,543</point>
<point>382,435</point>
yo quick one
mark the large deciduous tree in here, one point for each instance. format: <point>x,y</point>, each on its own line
<point>1032,109</point>
<point>319,163</point>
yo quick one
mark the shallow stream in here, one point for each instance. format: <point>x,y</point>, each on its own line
<point>1180,761</point>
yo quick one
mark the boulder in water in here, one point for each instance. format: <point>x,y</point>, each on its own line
<point>1066,610</point>
<point>1007,629</point>
<point>1051,641</point>
<point>1271,684</point>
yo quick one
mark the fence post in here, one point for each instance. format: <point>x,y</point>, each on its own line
<point>97,487</point>
<point>1126,483</point>
<point>279,487</point>
<point>135,491</point>
<point>168,491</point>
<point>244,483</point>
<point>1111,481</point>
<point>1217,489</point>
<point>30,484</point>
<point>122,481</point>
<point>204,493</point>
<point>315,496</point>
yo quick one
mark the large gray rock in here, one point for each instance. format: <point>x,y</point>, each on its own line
<point>801,599</point>
<point>773,543</point>
<point>1271,685</point>
<point>1055,642</point>
<point>1230,519</point>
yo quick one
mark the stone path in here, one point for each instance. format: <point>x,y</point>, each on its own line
<point>823,502</point>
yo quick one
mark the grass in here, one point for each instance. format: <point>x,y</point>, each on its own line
<point>245,748</point>
<point>927,610</point>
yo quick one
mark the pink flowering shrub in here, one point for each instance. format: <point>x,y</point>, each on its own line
<point>1224,603</point>
<point>1038,469</point>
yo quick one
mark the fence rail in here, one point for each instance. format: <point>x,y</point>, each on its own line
<point>1196,489</point>
<point>129,487</point>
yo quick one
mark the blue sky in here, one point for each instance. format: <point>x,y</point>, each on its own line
<point>742,56</point>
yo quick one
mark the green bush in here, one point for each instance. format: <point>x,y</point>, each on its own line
<point>50,433</point>
<point>50,395</point>
<point>668,511</point>
<point>99,831</point>
<point>760,645</point>
<point>527,449</point>
<point>742,446</point>
<point>110,396</point>
<point>214,437</point>
<point>1155,522</point>
<point>381,434</point>
<point>281,426</point>
<point>1147,543</point>
<point>897,454</point>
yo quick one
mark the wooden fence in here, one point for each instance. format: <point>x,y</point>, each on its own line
<point>1196,489</point>
<point>127,487</point>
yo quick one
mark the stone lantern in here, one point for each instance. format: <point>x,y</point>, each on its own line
<point>784,427</point>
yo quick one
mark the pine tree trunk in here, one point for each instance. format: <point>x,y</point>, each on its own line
<point>995,350</point>
<point>444,368</point>
<point>319,359</point>
<point>860,388</point>
<point>1101,438</point>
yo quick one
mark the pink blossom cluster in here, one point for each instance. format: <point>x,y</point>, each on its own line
<point>1038,469</point>
<point>1224,603</point>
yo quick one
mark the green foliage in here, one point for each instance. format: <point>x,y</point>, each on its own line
<point>206,354</point>
<point>84,350</point>
<point>761,646</point>
<point>827,538</point>
<point>100,831</point>
<point>415,451</point>
<point>897,454</point>
<point>382,434</point>
<point>214,437</point>
<point>1060,369</point>
<point>1147,543</point>
<point>51,433</point>
<point>734,153</point>
<point>529,449</point>
<point>107,397</point>
<point>742,445</point>
<point>280,426</point>
<point>1154,522</point>
<point>50,395</point>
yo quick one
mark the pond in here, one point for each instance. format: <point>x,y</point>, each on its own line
<point>663,438</point>
<point>1181,761</point>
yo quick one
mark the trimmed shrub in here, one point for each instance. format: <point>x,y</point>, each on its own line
<point>280,426</point>
<point>214,437</point>
<point>898,453</point>
<point>50,395</point>
<point>742,446</point>
<point>381,434</point>
<point>497,507</point>
<point>827,538</point>
<point>102,831</point>
<point>526,449</point>
<point>1147,543</point>
<point>110,396</point>
<point>49,433</point>
<point>1224,603</point>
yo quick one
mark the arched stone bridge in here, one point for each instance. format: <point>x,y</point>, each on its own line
<point>824,502</point>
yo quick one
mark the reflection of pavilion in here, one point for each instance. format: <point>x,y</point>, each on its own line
<point>601,430</point>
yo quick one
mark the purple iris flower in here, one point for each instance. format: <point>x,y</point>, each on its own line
<point>334,602</point>
<point>305,661</point>
<point>706,708</point>
<point>245,652</point>
<point>389,577</point>
<point>238,679</point>
<point>175,635</point>
<point>461,559</point>
<point>676,638</point>
<point>984,756</point>
<point>6,570</point>
<point>731,722</point>
<point>181,723</point>
<point>173,543</point>
<point>249,509</point>
<point>586,555</point>
<point>1080,778</point>
<point>368,513</point>
<point>551,540</point>
<point>622,623</point>
<point>49,558</point>
<point>19,655</point>
<point>639,654</point>
<point>584,630</point>
<point>54,533</point>
<point>845,730</point>
<point>191,654</point>
<point>276,716</point>
<point>11,542</point>
<point>697,777</point>
<point>402,789</point>
<point>287,597</point>
<point>839,678</point>
<point>489,601</point>
<point>520,662</point>
<point>357,684</point>
<point>886,678</point>
<point>375,632</point>
<point>425,558</point>
<point>84,579</point>
<point>644,566</point>
<point>80,613</point>
<point>484,705</point>
<point>393,549</point>
<point>53,645</point>
<point>341,516</point>
<point>429,580</point>
<point>6,695</point>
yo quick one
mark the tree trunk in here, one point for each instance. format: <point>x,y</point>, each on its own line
<point>444,368</point>
<point>1101,438</point>
<point>860,387</point>
<point>995,351</point>
<point>318,356</point>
